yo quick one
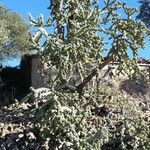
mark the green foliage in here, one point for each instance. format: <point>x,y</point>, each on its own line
<point>67,124</point>
<point>76,115</point>
<point>104,120</point>
<point>80,37</point>
<point>14,36</point>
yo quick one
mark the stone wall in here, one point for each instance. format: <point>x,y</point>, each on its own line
<point>38,71</point>
<point>37,80</point>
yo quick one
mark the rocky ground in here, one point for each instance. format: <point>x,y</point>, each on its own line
<point>17,128</point>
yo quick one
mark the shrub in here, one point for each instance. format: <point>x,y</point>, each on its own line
<point>104,120</point>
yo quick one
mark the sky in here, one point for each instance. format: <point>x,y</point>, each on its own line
<point>37,7</point>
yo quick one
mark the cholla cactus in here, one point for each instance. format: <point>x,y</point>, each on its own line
<point>74,115</point>
<point>80,31</point>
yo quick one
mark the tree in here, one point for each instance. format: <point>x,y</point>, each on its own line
<point>74,115</point>
<point>14,36</point>
<point>144,14</point>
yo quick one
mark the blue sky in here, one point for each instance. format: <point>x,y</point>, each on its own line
<point>23,7</point>
<point>36,7</point>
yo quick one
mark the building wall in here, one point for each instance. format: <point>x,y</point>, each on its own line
<point>38,71</point>
<point>37,80</point>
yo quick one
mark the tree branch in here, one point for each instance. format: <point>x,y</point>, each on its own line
<point>94,72</point>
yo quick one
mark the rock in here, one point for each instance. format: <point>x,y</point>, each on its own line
<point>16,129</point>
<point>21,135</point>
<point>31,136</point>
